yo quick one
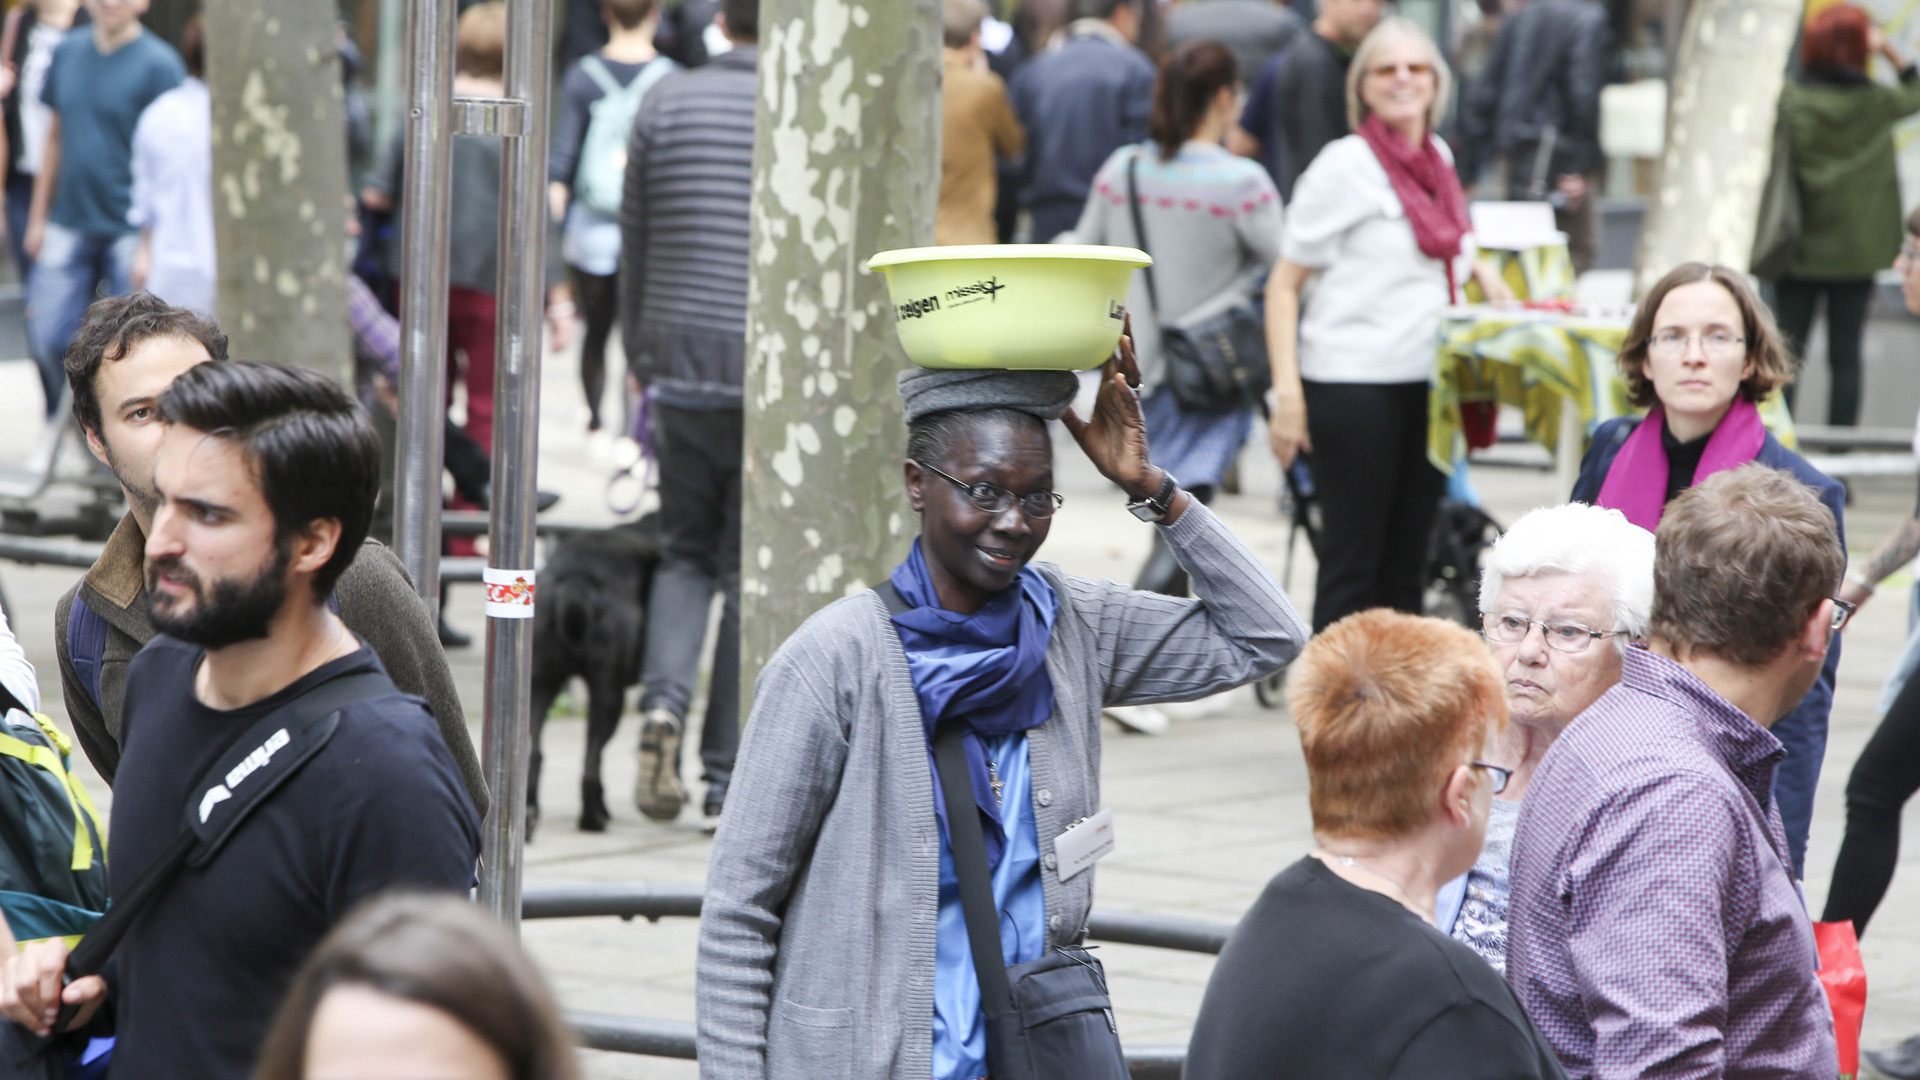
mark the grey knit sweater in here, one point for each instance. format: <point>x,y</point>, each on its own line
<point>683,233</point>
<point>817,934</point>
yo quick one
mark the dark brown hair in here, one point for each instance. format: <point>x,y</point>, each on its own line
<point>193,46</point>
<point>1837,37</point>
<point>1742,559</point>
<point>628,14</point>
<point>1189,80</point>
<point>312,448</point>
<point>1772,362</point>
<point>480,41</point>
<point>116,326</point>
<point>437,951</point>
<point>1387,706</point>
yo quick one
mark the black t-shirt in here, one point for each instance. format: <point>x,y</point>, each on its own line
<point>201,972</point>
<point>1324,978</point>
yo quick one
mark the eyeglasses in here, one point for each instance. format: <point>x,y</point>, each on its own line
<point>1842,612</point>
<point>1387,71</point>
<point>1910,251</point>
<point>1503,628</point>
<point>1672,343</point>
<point>998,500</point>
<point>1500,773</point>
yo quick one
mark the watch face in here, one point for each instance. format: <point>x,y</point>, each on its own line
<point>1145,511</point>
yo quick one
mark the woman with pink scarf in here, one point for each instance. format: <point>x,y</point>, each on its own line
<point>1701,354</point>
<point>1376,244</point>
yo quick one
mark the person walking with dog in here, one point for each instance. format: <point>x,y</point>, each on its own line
<point>128,351</point>
<point>683,251</point>
<point>832,936</point>
<point>264,486</point>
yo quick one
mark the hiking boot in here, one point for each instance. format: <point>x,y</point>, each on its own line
<point>657,791</point>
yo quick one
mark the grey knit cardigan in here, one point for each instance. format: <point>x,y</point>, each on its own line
<point>817,935</point>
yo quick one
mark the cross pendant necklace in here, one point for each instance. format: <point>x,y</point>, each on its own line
<point>994,781</point>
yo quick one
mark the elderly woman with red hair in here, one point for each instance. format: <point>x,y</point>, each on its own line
<point>1840,127</point>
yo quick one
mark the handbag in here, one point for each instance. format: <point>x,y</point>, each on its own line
<point>1049,1018</point>
<point>1844,978</point>
<point>1216,363</point>
<point>1780,226</point>
<point>255,766</point>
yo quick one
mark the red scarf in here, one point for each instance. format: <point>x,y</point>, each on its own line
<point>1429,191</point>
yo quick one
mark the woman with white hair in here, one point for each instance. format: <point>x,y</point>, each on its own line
<point>1379,225</point>
<point>1562,593</point>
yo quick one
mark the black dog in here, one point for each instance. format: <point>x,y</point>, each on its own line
<point>591,621</point>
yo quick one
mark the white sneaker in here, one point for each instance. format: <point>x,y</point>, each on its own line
<point>1139,719</point>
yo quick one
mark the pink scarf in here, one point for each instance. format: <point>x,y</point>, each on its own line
<point>1636,483</point>
<point>1428,188</point>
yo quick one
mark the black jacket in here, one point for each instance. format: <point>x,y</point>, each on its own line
<point>1548,66</point>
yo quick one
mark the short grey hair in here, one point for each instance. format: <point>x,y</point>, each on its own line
<point>1391,29</point>
<point>1575,538</point>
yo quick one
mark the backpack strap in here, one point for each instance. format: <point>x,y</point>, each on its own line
<point>598,71</point>
<point>87,646</point>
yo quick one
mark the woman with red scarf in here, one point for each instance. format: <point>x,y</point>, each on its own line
<point>1700,355</point>
<point>1379,226</point>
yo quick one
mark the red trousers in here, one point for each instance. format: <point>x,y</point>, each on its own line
<point>470,322</point>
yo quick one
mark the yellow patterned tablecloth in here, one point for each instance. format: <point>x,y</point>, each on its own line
<point>1540,362</point>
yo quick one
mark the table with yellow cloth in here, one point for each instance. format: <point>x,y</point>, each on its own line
<point>1557,368</point>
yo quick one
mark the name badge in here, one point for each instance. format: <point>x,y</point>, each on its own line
<point>1088,841</point>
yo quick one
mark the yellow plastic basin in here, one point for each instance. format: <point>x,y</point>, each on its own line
<point>1054,306</point>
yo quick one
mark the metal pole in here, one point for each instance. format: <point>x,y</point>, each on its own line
<point>516,444</point>
<point>424,215</point>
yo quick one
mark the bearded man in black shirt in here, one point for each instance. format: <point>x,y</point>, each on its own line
<point>266,477</point>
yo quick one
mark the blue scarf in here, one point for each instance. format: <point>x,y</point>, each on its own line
<point>988,670</point>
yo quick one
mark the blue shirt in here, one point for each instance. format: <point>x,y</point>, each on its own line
<point>99,99</point>
<point>959,1029</point>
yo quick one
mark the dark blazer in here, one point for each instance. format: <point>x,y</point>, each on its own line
<point>1804,730</point>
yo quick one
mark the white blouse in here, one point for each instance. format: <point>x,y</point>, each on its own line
<point>1372,313</point>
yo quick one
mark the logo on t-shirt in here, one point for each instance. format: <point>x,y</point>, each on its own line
<point>249,765</point>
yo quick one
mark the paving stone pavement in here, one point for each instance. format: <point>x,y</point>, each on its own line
<point>1205,815</point>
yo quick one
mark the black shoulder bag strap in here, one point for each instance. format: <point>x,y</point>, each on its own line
<point>969,851</point>
<point>252,769</point>
<point>1140,232</point>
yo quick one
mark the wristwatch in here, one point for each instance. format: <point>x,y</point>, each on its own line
<point>1154,507</point>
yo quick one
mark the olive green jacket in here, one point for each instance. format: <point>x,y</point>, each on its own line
<point>1842,139</point>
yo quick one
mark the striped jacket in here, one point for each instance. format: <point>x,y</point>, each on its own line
<point>683,233</point>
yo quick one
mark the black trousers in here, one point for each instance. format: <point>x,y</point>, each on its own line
<point>1883,779</point>
<point>598,295</point>
<point>1378,496</point>
<point>699,452</point>
<point>1847,301</point>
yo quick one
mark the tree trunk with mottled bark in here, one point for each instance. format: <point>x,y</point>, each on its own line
<point>280,181</point>
<point>846,164</point>
<point>1721,103</point>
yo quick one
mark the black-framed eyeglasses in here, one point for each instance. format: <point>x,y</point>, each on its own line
<point>1500,773</point>
<point>995,499</point>
<point>1842,613</point>
<point>1509,628</point>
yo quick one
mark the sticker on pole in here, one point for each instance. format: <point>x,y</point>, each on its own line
<point>509,593</point>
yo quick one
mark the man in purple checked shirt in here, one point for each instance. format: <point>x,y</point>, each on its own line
<point>1656,930</point>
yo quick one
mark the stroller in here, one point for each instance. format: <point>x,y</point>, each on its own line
<point>1462,532</point>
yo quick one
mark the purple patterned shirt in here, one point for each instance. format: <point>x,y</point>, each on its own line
<point>1655,928</point>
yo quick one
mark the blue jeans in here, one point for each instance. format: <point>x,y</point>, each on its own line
<point>67,277</point>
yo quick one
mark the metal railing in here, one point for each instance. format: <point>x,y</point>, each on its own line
<point>675,1039</point>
